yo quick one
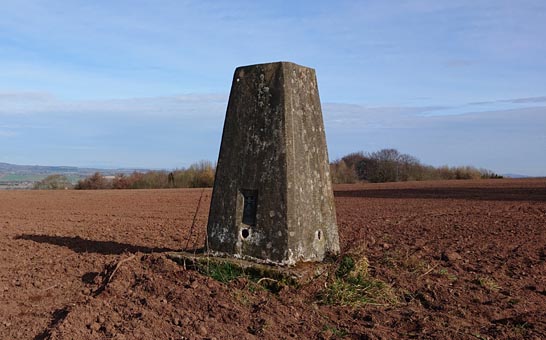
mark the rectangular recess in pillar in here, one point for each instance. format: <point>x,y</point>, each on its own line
<point>250,205</point>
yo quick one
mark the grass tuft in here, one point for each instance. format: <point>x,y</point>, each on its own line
<point>352,285</point>
<point>226,271</point>
<point>334,331</point>
<point>222,271</point>
<point>488,283</point>
<point>346,265</point>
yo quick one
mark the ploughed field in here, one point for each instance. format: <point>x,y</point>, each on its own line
<point>460,259</point>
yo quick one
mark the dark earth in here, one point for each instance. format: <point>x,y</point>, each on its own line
<point>464,259</point>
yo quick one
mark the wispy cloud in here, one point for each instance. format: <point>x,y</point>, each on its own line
<point>25,96</point>
<point>372,50</point>
<point>526,100</point>
<point>351,116</point>
<point>358,116</point>
<point>167,131</point>
<point>172,131</point>
<point>390,74</point>
<point>7,133</point>
<point>459,63</point>
<point>506,141</point>
<point>187,105</point>
<point>85,148</point>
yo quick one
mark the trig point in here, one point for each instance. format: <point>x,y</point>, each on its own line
<point>273,200</point>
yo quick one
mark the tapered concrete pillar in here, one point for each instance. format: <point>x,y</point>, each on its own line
<point>272,199</point>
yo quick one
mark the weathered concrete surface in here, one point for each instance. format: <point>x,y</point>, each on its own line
<point>273,198</point>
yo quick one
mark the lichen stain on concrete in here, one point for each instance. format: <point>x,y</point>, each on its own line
<point>274,144</point>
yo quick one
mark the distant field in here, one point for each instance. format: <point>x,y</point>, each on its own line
<point>9,180</point>
<point>15,176</point>
<point>21,177</point>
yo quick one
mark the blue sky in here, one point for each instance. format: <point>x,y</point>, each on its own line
<point>145,83</point>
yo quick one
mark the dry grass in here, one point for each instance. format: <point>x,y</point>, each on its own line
<point>352,285</point>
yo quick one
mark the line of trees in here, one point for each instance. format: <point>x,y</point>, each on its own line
<point>53,182</point>
<point>389,165</point>
<point>199,175</point>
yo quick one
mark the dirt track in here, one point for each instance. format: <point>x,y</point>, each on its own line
<point>465,258</point>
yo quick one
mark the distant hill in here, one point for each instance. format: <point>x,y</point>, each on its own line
<point>6,167</point>
<point>13,176</point>
<point>515,176</point>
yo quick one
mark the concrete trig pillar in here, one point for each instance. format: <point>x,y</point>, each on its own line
<point>272,199</point>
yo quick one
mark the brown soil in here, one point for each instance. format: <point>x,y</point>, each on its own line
<point>466,260</point>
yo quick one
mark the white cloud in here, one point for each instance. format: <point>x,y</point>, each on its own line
<point>354,117</point>
<point>25,96</point>
<point>153,131</point>
<point>541,99</point>
<point>189,105</point>
<point>505,141</point>
<point>526,100</point>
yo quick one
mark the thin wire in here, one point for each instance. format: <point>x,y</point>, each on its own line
<point>194,219</point>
